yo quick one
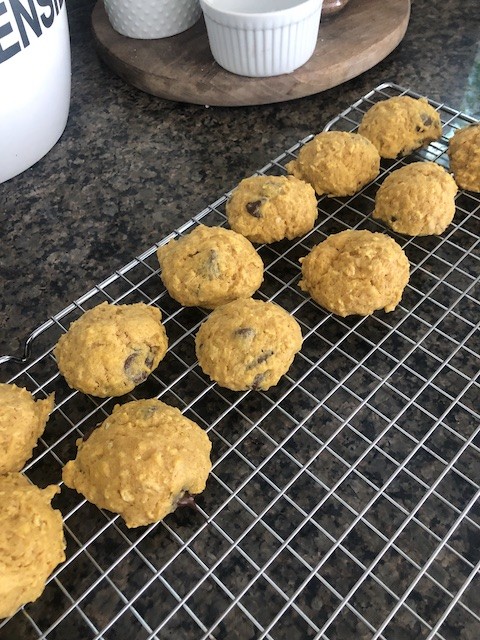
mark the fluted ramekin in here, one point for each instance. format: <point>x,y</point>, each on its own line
<point>262,38</point>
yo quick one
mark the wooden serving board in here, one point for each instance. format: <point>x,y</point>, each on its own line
<point>182,68</point>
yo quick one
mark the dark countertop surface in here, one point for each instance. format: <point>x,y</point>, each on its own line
<point>131,167</point>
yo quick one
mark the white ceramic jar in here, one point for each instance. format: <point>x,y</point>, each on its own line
<point>262,38</point>
<point>150,19</point>
<point>35,76</point>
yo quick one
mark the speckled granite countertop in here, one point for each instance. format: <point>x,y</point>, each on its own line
<point>131,167</point>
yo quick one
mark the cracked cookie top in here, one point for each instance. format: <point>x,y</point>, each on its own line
<point>356,272</point>
<point>141,462</point>
<point>272,208</point>
<point>248,344</point>
<point>336,163</point>
<point>417,199</point>
<point>464,155</point>
<point>209,267</point>
<point>399,125</point>
<point>22,422</point>
<point>31,540</point>
<point>112,348</point>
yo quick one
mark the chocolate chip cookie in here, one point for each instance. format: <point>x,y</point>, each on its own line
<point>417,199</point>
<point>356,272</point>
<point>272,208</point>
<point>464,155</point>
<point>210,266</point>
<point>22,422</point>
<point>31,541</point>
<point>141,462</point>
<point>112,348</point>
<point>399,125</point>
<point>248,344</point>
<point>336,163</point>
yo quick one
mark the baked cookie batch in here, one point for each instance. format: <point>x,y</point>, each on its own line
<point>146,458</point>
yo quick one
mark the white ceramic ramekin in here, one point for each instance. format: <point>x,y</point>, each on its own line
<point>150,19</point>
<point>261,38</point>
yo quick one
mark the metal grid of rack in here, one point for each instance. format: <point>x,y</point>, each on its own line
<point>342,503</point>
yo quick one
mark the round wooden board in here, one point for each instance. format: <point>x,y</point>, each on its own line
<point>182,68</point>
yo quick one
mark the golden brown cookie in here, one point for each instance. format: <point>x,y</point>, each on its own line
<point>31,541</point>
<point>141,461</point>
<point>112,348</point>
<point>209,267</point>
<point>356,272</point>
<point>22,422</point>
<point>272,208</point>
<point>248,344</point>
<point>399,125</point>
<point>417,199</point>
<point>464,155</point>
<point>336,163</point>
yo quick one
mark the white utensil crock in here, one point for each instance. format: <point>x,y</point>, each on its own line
<point>35,78</point>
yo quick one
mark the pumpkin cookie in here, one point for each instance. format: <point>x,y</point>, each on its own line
<point>31,540</point>
<point>417,200</point>
<point>112,348</point>
<point>22,422</point>
<point>464,155</point>
<point>141,462</point>
<point>336,163</point>
<point>272,208</point>
<point>210,266</point>
<point>356,272</point>
<point>248,344</point>
<point>399,125</point>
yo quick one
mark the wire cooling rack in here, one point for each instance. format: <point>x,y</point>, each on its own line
<point>342,502</point>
